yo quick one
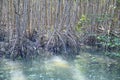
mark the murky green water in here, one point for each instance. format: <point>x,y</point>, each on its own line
<point>84,67</point>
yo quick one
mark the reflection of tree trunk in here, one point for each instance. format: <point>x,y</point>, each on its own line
<point>1,2</point>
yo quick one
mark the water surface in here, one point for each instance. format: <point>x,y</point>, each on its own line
<point>84,67</point>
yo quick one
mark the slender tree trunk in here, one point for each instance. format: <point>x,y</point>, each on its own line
<point>1,5</point>
<point>18,29</point>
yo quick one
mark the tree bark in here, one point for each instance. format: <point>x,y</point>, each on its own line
<point>1,5</point>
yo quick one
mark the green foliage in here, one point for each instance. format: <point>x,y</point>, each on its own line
<point>110,41</point>
<point>83,20</point>
<point>118,4</point>
<point>113,54</point>
<point>103,17</point>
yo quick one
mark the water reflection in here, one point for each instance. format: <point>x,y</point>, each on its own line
<point>14,70</point>
<point>58,64</point>
<point>84,67</point>
<point>77,75</point>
